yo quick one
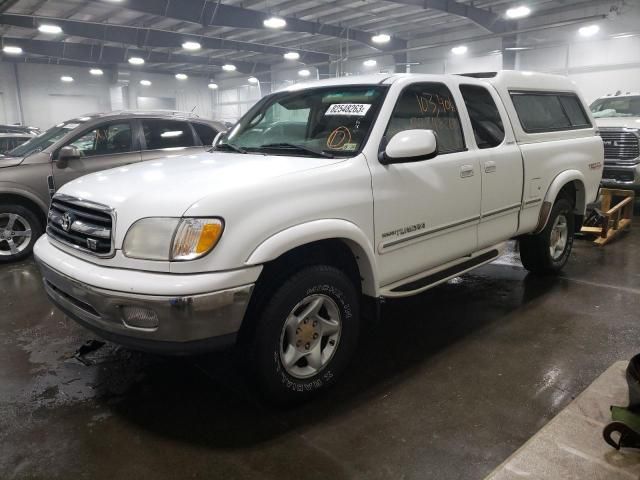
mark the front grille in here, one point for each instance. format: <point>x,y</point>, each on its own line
<point>83,225</point>
<point>620,147</point>
<point>618,175</point>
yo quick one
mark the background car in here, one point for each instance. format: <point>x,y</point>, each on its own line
<point>32,172</point>
<point>9,141</point>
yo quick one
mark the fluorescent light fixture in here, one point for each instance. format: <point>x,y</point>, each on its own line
<point>459,50</point>
<point>274,22</point>
<point>370,63</point>
<point>292,55</point>
<point>517,49</point>
<point>589,30</point>
<point>381,38</point>
<point>182,76</point>
<point>624,35</point>
<point>213,86</point>
<point>136,61</point>
<point>191,46</point>
<point>253,80</point>
<point>96,71</point>
<point>145,83</point>
<point>66,78</point>
<point>518,12</point>
<point>229,68</point>
<point>304,73</point>
<point>12,50</point>
<point>53,29</point>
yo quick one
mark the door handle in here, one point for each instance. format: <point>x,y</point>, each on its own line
<point>490,167</point>
<point>466,171</point>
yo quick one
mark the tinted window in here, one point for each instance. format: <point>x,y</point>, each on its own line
<point>628,106</point>
<point>574,111</point>
<point>485,117</point>
<point>105,140</point>
<point>428,106</point>
<point>546,112</point>
<point>205,132</point>
<point>167,134</point>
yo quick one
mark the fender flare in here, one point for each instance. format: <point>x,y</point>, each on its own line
<point>316,230</point>
<point>557,184</point>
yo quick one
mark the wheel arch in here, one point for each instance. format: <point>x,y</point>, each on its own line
<point>26,200</point>
<point>570,183</point>
<point>320,234</point>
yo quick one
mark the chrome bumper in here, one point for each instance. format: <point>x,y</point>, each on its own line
<point>621,176</point>
<point>181,325</point>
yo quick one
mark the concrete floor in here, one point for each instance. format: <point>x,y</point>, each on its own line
<point>450,384</point>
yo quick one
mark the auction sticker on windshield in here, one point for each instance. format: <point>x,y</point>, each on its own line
<point>351,109</point>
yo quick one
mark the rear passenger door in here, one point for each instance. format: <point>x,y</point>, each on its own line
<point>500,164</point>
<point>166,138</point>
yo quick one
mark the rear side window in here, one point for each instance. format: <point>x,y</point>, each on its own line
<point>549,112</point>
<point>205,132</point>
<point>160,134</point>
<point>428,106</point>
<point>485,117</point>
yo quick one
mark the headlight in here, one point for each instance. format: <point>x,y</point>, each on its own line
<point>172,238</point>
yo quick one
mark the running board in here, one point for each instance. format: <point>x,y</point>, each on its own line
<point>424,283</point>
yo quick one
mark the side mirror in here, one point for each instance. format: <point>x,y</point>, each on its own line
<point>67,153</point>
<point>410,146</point>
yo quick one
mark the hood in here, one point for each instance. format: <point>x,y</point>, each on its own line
<point>169,186</point>
<point>10,161</point>
<point>619,122</point>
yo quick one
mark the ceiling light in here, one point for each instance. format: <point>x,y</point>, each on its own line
<point>624,35</point>
<point>229,68</point>
<point>181,76</point>
<point>516,49</point>
<point>381,38</point>
<point>253,80</point>
<point>191,46</point>
<point>12,50</point>
<point>274,22</point>
<point>96,71</point>
<point>518,12</point>
<point>589,30</point>
<point>304,73</point>
<point>370,63</point>
<point>66,79</point>
<point>292,55</point>
<point>136,61</point>
<point>145,83</point>
<point>459,50</point>
<point>53,29</point>
<point>213,86</point>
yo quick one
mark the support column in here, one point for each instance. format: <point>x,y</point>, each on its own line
<point>509,56</point>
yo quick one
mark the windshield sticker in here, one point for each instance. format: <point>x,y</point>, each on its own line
<point>338,138</point>
<point>349,147</point>
<point>350,109</point>
<point>71,126</point>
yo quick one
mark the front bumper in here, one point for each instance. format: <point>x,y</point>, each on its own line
<point>621,176</point>
<point>181,324</point>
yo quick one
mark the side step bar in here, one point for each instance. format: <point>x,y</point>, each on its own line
<point>436,278</point>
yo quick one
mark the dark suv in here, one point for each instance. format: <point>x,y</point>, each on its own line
<point>31,173</point>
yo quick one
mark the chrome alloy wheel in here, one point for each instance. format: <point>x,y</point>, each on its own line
<point>15,234</point>
<point>559,237</point>
<point>310,336</point>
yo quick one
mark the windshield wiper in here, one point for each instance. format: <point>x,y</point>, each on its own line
<point>301,148</point>
<point>230,146</point>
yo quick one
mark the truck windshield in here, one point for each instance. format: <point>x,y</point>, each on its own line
<point>330,121</point>
<point>628,106</point>
<point>42,141</point>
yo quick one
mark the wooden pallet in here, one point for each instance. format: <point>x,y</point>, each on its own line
<point>616,219</point>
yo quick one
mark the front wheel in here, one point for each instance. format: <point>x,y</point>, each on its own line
<point>19,230</point>
<point>548,251</point>
<point>306,334</point>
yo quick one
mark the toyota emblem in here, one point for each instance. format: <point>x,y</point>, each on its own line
<point>66,221</point>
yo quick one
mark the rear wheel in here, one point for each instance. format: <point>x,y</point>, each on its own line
<point>306,334</point>
<point>19,230</point>
<point>548,251</point>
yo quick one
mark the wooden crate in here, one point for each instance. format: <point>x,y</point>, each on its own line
<point>616,219</point>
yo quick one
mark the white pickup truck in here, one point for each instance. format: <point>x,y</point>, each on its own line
<point>324,198</point>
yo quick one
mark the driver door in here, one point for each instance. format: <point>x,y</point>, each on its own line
<point>107,146</point>
<point>426,212</point>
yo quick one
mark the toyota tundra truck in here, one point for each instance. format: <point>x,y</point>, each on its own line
<point>324,199</point>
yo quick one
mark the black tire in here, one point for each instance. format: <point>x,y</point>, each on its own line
<point>277,384</point>
<point>535,249</point>
<point>26,219</point>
